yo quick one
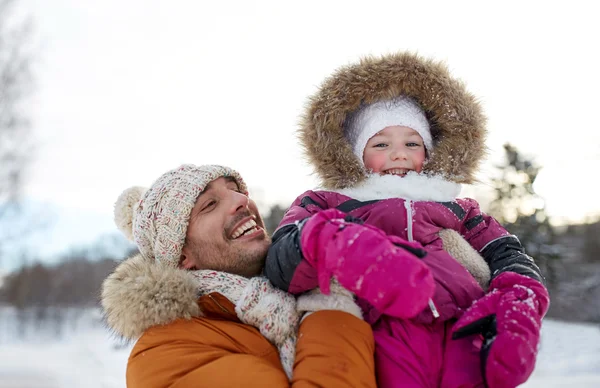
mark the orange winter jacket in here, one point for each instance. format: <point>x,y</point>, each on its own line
<point>186,341</point>
<point>334,349</point>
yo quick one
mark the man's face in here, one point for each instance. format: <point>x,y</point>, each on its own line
<point>226,232</point>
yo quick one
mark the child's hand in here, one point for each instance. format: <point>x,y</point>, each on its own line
<point>385,271</point>
<point>509,318</point>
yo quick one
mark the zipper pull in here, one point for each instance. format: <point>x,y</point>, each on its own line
<point>434,311</point>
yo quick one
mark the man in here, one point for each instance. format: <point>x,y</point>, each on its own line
<point>202,314</point>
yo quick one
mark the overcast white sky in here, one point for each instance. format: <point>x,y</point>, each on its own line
<point>129,89</point>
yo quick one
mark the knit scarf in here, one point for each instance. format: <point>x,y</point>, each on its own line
<point>257,303</point>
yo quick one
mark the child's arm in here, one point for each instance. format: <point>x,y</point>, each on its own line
<point>383,270</point>
<point>509,316</point>
<point>502,251</point>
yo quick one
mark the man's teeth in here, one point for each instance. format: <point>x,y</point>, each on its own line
<point>397,171</point>
<point>248,227</point>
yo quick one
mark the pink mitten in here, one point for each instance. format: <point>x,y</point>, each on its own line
<point>509,318</point>
<point>385,271</point>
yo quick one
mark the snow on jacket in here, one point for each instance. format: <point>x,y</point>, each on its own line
<point>186,341</point>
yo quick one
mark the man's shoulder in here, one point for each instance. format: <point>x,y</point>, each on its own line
<point>168,354</point>
<point>208,332</point>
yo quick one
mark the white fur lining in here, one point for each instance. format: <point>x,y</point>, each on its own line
<point>416,187</point>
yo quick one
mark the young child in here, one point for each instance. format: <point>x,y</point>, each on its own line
<point>392,140</point>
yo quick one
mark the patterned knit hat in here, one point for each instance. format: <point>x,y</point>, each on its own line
<point>369,119</point>
<point>156,219</point>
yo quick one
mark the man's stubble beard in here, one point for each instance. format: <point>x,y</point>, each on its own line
<point>235,260</point>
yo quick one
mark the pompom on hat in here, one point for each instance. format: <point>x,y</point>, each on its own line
<point>368,120</point>
<point>156,219</point>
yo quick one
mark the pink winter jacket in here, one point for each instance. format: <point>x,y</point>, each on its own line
<point>419,221</point>
<point>419,351</point>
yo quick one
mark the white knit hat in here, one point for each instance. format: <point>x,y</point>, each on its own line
<point>367,120</point>
<point>156,219</point>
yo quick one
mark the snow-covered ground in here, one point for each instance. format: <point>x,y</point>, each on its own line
<point>84,356</point>
<point>89,357</point>
<point>569,356</point>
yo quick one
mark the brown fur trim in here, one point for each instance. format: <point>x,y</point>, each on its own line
<point>464,253</point>
<point>458,123</point>
<point>143,293</point>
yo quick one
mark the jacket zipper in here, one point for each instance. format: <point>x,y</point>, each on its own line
<point>409,219</point>
<point>409,232</point>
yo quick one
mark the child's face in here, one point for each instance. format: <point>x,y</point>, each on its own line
<point>395,150</point>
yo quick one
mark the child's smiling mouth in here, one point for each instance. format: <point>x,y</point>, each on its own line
<point>396,171</point>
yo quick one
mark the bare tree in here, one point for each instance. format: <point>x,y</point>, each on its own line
<point>15,127</point>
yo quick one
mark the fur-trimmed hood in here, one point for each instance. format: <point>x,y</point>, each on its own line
<point>456,118</point>
<point>142,293</point>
